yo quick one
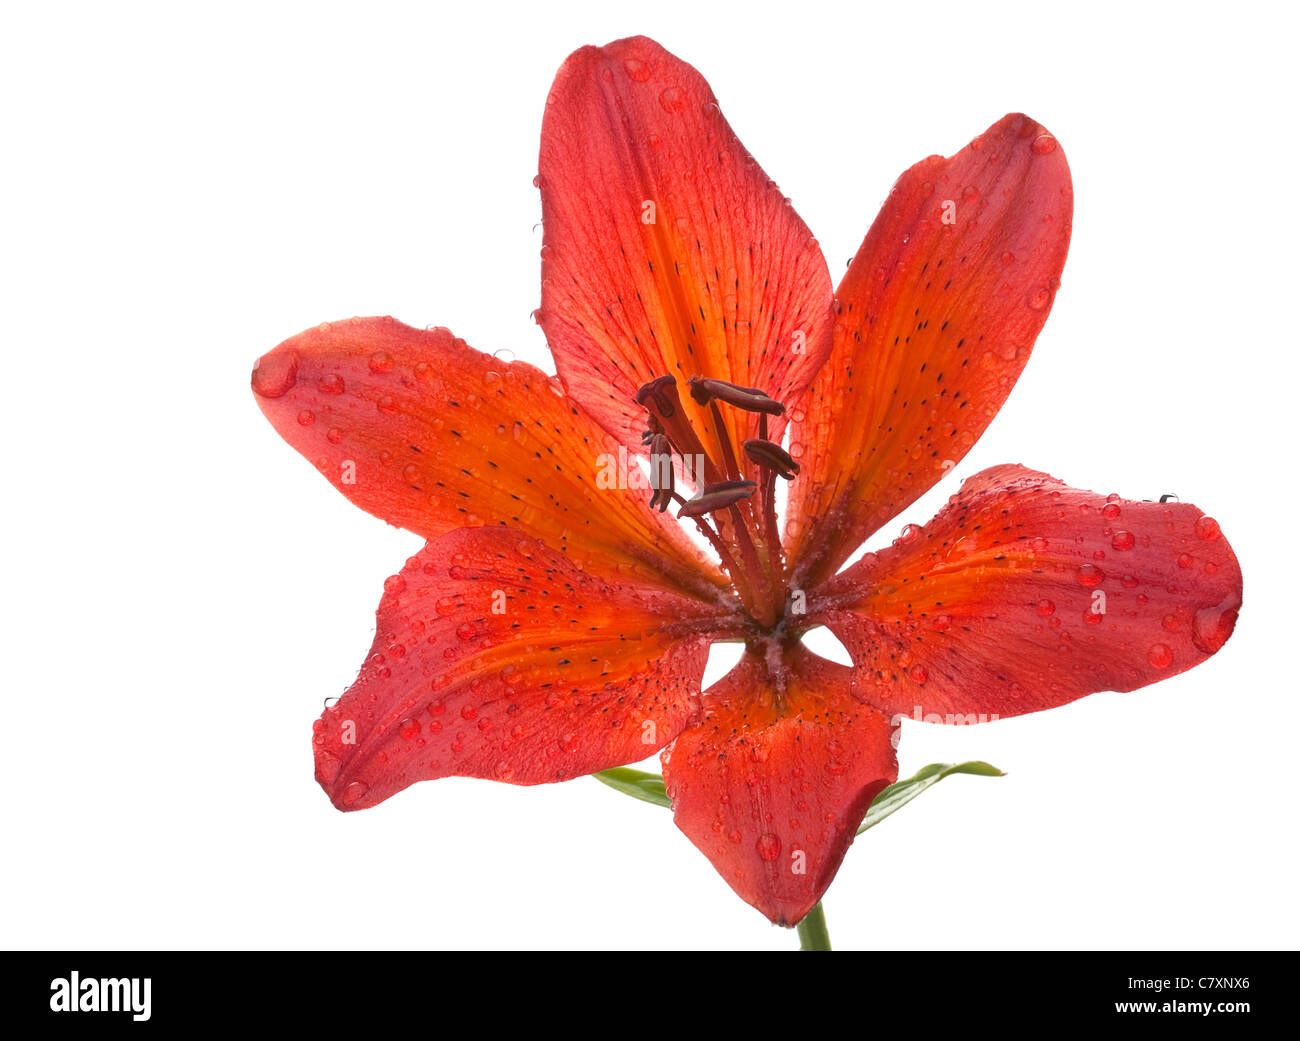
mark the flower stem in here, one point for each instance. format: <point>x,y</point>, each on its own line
<point>812,930</point>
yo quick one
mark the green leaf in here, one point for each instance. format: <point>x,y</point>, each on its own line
<point>899,794</point>
<point>636,783</point>
<point>650,787</point>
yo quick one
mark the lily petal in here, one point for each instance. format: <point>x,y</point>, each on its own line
<point>496,657</point>
<point>429,434</point>
<point>1024,594</point>
<point>774,780</point>
<point>937,315</point>
<point>667,250</point>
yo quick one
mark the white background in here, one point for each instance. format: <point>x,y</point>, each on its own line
<point>184,187</point>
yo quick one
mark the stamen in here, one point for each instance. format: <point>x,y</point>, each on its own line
<point>737,516</point>
<point>662,392</point>
<point>659,398</point>
<point>771,456</point>
<point>705,390</point>
<point>724,440</point>
<point>717,496</point>
<point>662,478</point>
<point>767,506</point>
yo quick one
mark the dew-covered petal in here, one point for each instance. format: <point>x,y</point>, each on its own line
<point>429,434</point>
<point>936,318</point>
<point>667,249</point>
<point>1024,594</point>
<point>495,657</point>
<point>773,781</point>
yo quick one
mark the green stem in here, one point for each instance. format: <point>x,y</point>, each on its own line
<point>812,930</point>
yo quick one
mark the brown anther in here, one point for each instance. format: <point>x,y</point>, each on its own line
<point>659,396</point>
<point>750,399</point>
<point>717,497</point>
<point>772,456</point>
<point>662,478</point>
<point>665,415</point>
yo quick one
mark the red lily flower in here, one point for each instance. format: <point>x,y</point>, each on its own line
<point>555,625</point>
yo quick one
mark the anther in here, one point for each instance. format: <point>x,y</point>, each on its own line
<point>666,416</point>
<point>705,390</point>
<point>717,497</point>
<point>772,456</point>
<point>662,394</point>
<point>662,479</point>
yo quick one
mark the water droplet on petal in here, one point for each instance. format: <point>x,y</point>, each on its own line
<point>769,846</point>
<point>637,69</point>
<point>1211,627</point>
<point>354,791</point>
<point>1160,656</point>
<point>1207,528</point>
<point>673,100</point>
<point>1123,540</point>
<point>1043,144</point>
<point>275,374</point>
<point>1089,575</point>
<point>330,383</point>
